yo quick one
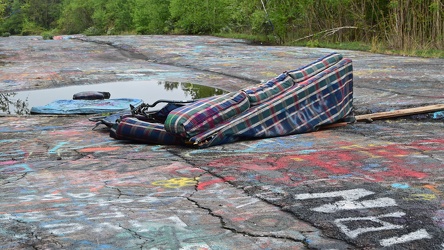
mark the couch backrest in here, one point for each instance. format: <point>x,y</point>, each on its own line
<point>303,73</point>
<point>263,92</point>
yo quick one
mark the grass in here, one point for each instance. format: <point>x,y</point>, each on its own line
<point>426,53</point>
<point>359,46</point>
<point>254,39</point>
<point>374,47</point>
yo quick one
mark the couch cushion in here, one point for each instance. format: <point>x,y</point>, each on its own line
<point>323,99</point>
<point>134,129</point>
<point>305,72</point>
<point>204,114</point>
<point>263,92</point>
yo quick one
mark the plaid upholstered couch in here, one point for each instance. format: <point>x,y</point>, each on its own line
<point>296,101</point>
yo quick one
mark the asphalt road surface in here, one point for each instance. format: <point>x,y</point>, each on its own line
<point>372,185</point>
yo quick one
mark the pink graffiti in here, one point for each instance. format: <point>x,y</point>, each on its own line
<point>205,184</point>
<point>373,162</point>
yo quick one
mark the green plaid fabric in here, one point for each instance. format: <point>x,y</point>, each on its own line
<point>131,128</point>
<point>199,116</point>
<point>297,101</point>
<point>263,92</point>
<point>323,99</point>
<point>305,72</point>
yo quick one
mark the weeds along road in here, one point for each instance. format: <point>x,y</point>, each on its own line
<point>363,186</point>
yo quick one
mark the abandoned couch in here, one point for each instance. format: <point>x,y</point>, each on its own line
<point>296,101</point>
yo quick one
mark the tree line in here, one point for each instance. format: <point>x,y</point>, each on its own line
<point>399,24</point>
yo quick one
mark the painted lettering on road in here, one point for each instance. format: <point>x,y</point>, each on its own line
<point>352,200</point>
<point>417,235</point>
<point>356,232</point>
<point>349,202</point>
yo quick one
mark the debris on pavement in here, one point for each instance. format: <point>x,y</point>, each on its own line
<point>296,101</point>
<point>91,95</point>
<point>364,186</point>
<point>86,106</point>
<point>399,113</point>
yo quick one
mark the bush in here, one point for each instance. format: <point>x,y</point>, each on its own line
<point>47,35</point>
<point>313,44</point>
<point>6,34</point>
<point>92,31</point>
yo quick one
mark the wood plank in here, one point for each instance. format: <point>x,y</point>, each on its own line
<point>333,125</point>
<point>400,112</point>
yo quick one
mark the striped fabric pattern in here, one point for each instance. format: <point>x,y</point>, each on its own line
<point>153,133</point>
<point>323,99</point>
<point>263,92</point>
<point>305,72</point>
<point>198,117</point>
<point>297,101</point>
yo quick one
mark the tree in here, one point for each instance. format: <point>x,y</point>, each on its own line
<point>13,20</point>
<point>200,17</point>
<point>151,16</point>
<point>112,17</point>
<point>76,16</point>
<point>44,13</point>
<point>119,16</point>
<point>2,8</point>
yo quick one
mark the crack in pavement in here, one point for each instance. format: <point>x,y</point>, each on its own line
<point>243,232</point>
<point>137,235</point>
<point>30,237</point>
<point>310,244</point>
<point>221,218</point>
<point>119,192</point>
<point>6,181</point>
<point>396,92</point>
<point>133,54</point>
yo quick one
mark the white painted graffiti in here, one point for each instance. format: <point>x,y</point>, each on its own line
<point>63,228</point>
<point>106,226</point>
<point>356,232</point>
<point>350,201</point>
<point>165,198</point>
<point>101,216</point>
<point>69,213</point>
<point>417,235</point>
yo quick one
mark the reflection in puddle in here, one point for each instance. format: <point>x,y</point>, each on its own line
<point>20,103</point>
<point>11,105</point>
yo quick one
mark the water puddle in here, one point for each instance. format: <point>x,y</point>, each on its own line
<point>21,102</point>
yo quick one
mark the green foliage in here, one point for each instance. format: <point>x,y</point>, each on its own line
<point>76,16</point>
<point>199,17</point>
<point>313,43</point>
<point>400,25</point>
<point>92,31</point>
<point>115,17</point>
<point>42,13</point>
<point>151,16</point>
<point>200,91</point>
<point>13,21</point>
<point>192,90</point>
<point>31,28</point>
<point>27,17</point>
<point>96,17</point>
<point>47,35</point>
<point>258,22</point>
<point>2,8</point>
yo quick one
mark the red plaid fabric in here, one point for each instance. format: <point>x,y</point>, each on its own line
<point>134,129</point>
<point>205,114</point>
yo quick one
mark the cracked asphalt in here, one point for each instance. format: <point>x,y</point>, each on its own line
<point>362,186</point>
